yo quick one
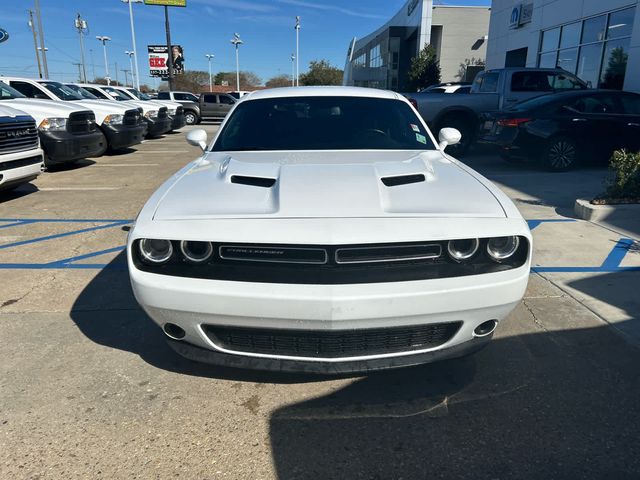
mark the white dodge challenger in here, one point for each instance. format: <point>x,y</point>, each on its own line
<point>325,230</point>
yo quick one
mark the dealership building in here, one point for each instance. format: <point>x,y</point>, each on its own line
<point>458,34</point>
<point>598,40</point>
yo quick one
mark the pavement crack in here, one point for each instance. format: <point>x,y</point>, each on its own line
<point>536,320</point>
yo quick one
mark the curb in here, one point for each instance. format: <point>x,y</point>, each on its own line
<point>593,213</point>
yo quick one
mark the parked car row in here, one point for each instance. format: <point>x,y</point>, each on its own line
<point>207,106</point>
<point>44,123</point>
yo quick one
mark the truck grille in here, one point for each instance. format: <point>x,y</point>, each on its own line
<point>81,122</point>
<point>18,134</point>
<point>332,344</point>
<point>132,117</point>
<point>163,112</point>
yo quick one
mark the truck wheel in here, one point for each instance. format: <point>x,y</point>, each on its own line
<point>190,118</point>
<point>560,154</point>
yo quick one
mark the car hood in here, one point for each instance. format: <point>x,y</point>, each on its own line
<point>326,184</point>
<point>40,109</point>
<point>7,111</point>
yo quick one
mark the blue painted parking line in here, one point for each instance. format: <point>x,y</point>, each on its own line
<point>611,263</point>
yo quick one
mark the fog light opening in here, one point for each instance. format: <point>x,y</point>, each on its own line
<point>485,328</point>
<point>173,331</point>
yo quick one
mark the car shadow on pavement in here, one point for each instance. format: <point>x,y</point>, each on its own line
<point>548,405</point>
<point>65,167</point>
<point>107,313</point>
<point>20,191</point>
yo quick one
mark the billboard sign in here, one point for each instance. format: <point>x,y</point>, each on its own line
<point>167,3</point>
<point>158,60</point>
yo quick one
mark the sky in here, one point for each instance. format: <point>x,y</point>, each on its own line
<point>204,26</point>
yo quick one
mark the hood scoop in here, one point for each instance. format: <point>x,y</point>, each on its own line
<point>403,179</point>
<point>263,182</point>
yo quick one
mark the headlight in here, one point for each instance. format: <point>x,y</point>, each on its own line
<point>154,251</point>
<point>114,119</point>
<point>501,248</point>
<point>172,112</point>
<point>151,114</point>
<point>53,124</point>
<point>196,252</point>
<point>460,250</point>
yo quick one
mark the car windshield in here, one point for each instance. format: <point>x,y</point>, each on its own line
<point>61,91</point>
<point>138,94</point>
<point>117,94</point>
<point>82,92</point>
<point>323,123</point>
<point>7,92</point>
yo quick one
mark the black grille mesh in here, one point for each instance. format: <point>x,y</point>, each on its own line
<point>18,134</point>
<point>81,122</point>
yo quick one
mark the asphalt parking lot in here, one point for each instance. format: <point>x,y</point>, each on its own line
<point>89,389</point>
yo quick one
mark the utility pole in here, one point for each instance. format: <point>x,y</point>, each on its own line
<point>237,42</point>
<point>81,25</point>
<point>133,40</point>
<point>126,79</point>
<point>293,70</point>
<point>104,41</point>
<point>169,52</point>
<point>93,64</point>
<point>297,51</point>
<point>133,77</point>
<point>117,82</point>
<point>35,42</point>
<point>42,46</point>
<point>79,65</point>
<point>209,57</point>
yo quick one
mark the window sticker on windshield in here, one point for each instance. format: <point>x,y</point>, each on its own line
<point>415,128</point>
<point>421,138</point>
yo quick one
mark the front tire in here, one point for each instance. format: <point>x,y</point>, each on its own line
<point>190,118</point>
<point>560,154</point>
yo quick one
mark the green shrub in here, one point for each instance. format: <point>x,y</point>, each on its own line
<point>625,175</point>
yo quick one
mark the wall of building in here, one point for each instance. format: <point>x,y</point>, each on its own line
<point>462,38</point>
<point>548,14</point>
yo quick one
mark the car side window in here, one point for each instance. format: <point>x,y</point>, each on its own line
<point>490,82</point>
<point>164,96</point>
<point>25,88</point>
<point>630,104</point>
<point>183,96</point>
<point>463,90</point>
<point>530,82</point>
<point>96,92</point>
<point>209,98</point>
<point>601,104</point>
<point>226,100</point>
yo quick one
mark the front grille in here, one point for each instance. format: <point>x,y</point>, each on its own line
<point>81,122</point>
<point>163,112</point>
<point>132,117</point>
<point>332,344</point>
<point>18,134</point>
<point>23,162</point>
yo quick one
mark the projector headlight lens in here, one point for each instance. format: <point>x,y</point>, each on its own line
<point>501,248</point>
<point>460,250</point>
<point>196,252</point>
<point>155,251</point>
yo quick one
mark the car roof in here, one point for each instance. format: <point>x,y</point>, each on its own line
<point>321,92</point>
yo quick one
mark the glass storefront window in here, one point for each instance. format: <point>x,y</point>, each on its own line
<point>548,60</point>
<point>621,23</point>
<point>568,59</point>
<point>594,29</point>
<point>589,63</point>
<point>550,39</point>
<point>614,64</point>
<point>570,35</point>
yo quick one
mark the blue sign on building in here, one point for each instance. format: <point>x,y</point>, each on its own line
<point>4,35</point>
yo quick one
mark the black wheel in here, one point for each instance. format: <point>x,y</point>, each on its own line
<point>561,154</point>
<point>190,118</point>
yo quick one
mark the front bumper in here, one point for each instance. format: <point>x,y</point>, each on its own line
<point>157,126</point>
<point>20,167</point>
<point>192,303</point>
<point>177,121</point>
<point>62,146</point>
<point>123,136</point>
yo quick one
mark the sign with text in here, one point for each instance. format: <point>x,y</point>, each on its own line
<point>159,60</point>
<point>167,3</point>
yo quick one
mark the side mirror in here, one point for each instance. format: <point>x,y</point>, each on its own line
<point>449,136</point>
<point>197,138</point>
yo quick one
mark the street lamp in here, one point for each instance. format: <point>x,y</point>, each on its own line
<point>297,51</point>
<point>237,42</point>
<point>209,57</point>
<point>293,70</point>
<point>104,40</point>
<point>133,40</point>
<point>131,54</point>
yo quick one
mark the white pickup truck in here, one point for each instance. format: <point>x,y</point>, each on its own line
<point>121,125</point>
<point>67,131</point>
<point>21,158</point>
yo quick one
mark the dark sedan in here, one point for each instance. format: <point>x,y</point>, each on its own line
<point>566,129</point>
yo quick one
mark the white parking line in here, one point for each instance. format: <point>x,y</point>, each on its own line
<point>73,189</point>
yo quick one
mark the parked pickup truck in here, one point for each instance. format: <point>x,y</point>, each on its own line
<point>492,90</point>
<point>122,126</point>
<point>21,158</point>
<point>215,106</point>
<point>176,111</point>
<point>189,101</point>
<point>67,132</point>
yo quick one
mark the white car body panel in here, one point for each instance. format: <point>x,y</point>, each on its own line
<point>127,103</point>
<point>164,103</point>
<point>41,109</point>
<point>13,175</point>
<point>327,198</point>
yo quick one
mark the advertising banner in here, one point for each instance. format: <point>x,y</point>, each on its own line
<point>159,63</point>
<point>167,3</point>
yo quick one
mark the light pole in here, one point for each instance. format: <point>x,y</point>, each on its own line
<point>293,70</point>
<point>104,40</point>
<point>81,25</point>
<point>237,42</point>
<point>133,40</point>
<point>209,57</point>
<point>297,51</point>
<point>131,54</point>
